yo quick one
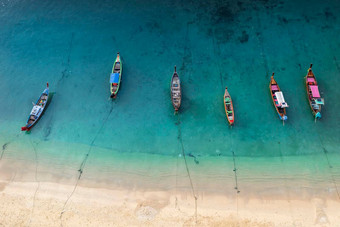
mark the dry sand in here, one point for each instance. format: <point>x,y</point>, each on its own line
<point>47,204</point>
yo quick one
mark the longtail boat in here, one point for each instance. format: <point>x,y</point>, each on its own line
<point>116,76</point>
<point>37,110</point>
<point>228,106</point>
<point>175,90</point>
<point>278,99</point>
<point>313,95</point>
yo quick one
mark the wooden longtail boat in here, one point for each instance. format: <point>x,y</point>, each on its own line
<point>228,106</point>
<point>37,110</point>
<point>313,95</point>
<point>175,90</point>
<point>278,99</point>
<point>116,76</point>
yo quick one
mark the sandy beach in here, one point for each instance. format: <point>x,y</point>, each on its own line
<point>50,204</point>
<point>145,193</point>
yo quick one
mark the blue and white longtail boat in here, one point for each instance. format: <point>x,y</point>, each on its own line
<point>116,76</point>
<point>37,110</point>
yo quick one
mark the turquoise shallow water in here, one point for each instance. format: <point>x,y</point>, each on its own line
<point>72,45</point>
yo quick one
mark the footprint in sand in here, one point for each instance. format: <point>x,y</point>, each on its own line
<point>146,213</point>
<point>321,217</point>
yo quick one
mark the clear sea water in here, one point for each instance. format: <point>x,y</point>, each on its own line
<point>135,140</point>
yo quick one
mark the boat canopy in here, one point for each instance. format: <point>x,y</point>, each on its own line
<point>310,79</point>
<point>35,110</point>
<point>275,88</point>
<point>281,99</point>
<point>227,100</point>
<point>319,101</point>
<point>114,78</point>
<point>315,91</point>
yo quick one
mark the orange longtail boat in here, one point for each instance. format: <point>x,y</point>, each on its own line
<point>228,106</point>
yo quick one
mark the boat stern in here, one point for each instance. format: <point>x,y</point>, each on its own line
<point>283,118</point>
<point>318,115</point>
<point>113,95</point>
<point>26,128</point>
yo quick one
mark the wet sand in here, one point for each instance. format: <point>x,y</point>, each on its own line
<point>52,204</point>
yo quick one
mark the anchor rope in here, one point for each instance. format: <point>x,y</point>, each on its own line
<point>186,164</point>
<point>64,74</point>
<point>325,151</point>
<point>217,51</point>
<point>4,146</point>
<point>36,180</point>
<point>83,163</point>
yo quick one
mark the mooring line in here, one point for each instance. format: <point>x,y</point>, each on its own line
<point>260,44</point>
<point>218,49</point>
<point>329,165</point>
<point>281,155</point>
<point>195,158</point>
<point>336,63</point>
<point>234,162</point>
<point>186,164</point>
<point>36,180</point>
<point>64,74</point>
<point>236,182</point>
<point>4,146</point>
<point>235,173</point>
<point>186,52</point>
<point>285,183</point>
<point>323,147</point>
<point>176,202</point>
<point>186,57</point>
<point>67,64</point>
<point>83,163</point>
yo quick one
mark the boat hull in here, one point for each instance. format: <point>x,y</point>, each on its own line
<point>280,111</point>
<point>228,107</point>
<point>310,74</point>
<point>37,110</point>
<point>175,91</point>
<point>117,70</point>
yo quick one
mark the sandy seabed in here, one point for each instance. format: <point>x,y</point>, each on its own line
<point>53,204</point>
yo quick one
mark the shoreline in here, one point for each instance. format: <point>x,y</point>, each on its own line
<point>265,176</point>
<point>155,190</point>
<point>42,203</point>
